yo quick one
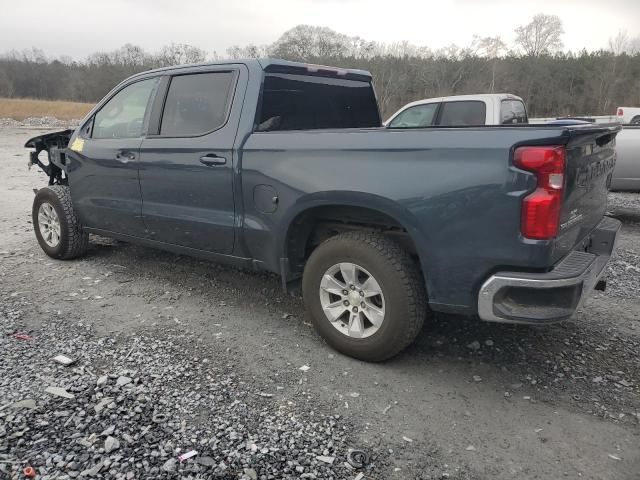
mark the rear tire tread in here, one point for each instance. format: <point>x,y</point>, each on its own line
<point>411,280</point>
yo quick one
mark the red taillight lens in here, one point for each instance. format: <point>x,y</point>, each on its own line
<point>620,112</point>
<point>541,209</point>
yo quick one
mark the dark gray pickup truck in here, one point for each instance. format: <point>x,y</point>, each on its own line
<point>285,167</point>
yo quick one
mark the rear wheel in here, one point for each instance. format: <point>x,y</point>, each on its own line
<point>635,120</point>
<point>56,224</point>
<point>365,295</point>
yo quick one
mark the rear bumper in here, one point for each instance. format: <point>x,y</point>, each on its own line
<point>517,297</point>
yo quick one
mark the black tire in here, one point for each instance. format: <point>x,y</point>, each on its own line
<point>635,120</point>
<point>401,283</point>
<point>73,240</point>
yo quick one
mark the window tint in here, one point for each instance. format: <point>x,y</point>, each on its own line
<point>512,111</point>
<point>123,115</point>
<point>463,113</point>
<point>418,116</point>
<point>304,102</point>
<point>197,103</point>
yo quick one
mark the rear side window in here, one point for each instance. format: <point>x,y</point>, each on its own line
<point>418,116</point>
<point>197,104</point>
<point>306,102</point>
<point>123,115</point>
<point>463,113</point>
<point>512,111</point>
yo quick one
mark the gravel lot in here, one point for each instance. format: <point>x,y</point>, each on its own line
<point>625,206</point>
<point>174,354</point>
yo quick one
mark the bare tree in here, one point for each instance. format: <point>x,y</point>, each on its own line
<point>180,53</point>
<point>249,51</point>
<point>540,36</point>
<point>620,43</point>
<point>491,48</point>
<point>130,55</point>
<point>306,42</point>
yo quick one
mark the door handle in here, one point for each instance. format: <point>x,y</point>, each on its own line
<point>212,159</point>
<point>125,156</point>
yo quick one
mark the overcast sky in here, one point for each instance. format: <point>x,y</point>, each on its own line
<point>77,28</point>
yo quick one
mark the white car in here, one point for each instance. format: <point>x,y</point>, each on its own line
<point>629,115</point>
<point>485,109</point>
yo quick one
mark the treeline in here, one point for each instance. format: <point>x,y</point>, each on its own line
<point>31,74</point>
<point>552,82</point>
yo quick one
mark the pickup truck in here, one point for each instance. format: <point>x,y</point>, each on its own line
<point>629,115</point>
<point>286,167</point>
<point>459,110</point>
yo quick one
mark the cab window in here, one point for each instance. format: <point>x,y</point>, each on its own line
<point>462,113</point>
<point>123,116</point>
<point>512,111</point>
<point>308,102</point>
<point>197,103</point>
<point>415,117</point>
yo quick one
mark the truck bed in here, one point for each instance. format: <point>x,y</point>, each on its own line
<point>454,189</point>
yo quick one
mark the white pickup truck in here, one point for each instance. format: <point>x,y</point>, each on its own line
<point>630,115</point>
<point>459,110</point>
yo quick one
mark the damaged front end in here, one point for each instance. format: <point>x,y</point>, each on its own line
<point>55,144</point>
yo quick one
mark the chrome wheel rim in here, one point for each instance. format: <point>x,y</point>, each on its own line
<point>49,224</point>
<point>352,300</point>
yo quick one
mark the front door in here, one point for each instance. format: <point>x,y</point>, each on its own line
<point>186,169</point>
<point>104,159</point>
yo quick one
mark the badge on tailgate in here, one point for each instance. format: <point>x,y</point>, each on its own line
<point>587,173</point>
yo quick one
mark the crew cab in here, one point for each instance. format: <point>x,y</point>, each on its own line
<point>286,167</point>
<point>459,110</point>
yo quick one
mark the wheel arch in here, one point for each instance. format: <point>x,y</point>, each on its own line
<point>356,210</point>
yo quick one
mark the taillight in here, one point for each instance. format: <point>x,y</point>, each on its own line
<point>620,112</point>
<point>541,209</point>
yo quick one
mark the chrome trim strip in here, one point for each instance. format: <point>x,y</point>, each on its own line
<point>589,277</point>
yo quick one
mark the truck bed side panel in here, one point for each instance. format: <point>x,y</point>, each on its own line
<point>453,189</point>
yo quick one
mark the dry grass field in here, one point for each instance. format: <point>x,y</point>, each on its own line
<point>21,108</point>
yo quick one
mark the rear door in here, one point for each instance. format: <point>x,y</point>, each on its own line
<point>186,168</point>
<point>104,159</point>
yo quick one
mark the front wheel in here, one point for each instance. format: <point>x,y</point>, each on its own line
<point>56,224</point>
<point>365,295</point>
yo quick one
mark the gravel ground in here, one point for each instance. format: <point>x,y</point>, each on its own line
<point>132,405</point>
<point>627,200</point>
<point>213,355</point>
<point>625,206</point>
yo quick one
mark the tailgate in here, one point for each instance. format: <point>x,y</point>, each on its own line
<point>590,160</point>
